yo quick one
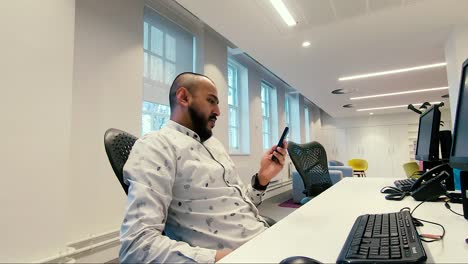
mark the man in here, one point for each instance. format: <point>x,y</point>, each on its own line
<point>183,182</point>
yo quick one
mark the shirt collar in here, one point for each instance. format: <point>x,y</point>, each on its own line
<point>186,131</point>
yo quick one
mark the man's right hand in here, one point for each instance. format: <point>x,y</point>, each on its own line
<point>221,254</point>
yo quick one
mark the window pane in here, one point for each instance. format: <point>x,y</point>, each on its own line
<point>170,72</point>
<point>156,70</point>
<point>266,125</point>
<point>146,123</point>
<point>230,76</point>
<point>235,100</point>
<point>230,99</point>
<point>170,48</point>
<point>266,143</point>
<point>156,41</point>
<point>147,106</point>
<point>233,117</point>
<point>234,139</point>
<point>145,65</point>
<point>263,94</point>
<point>145,35</point>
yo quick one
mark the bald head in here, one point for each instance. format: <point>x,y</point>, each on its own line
<point>189,80</point>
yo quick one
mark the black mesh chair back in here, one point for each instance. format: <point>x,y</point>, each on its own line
<point>118,145</point>
<point>310,160</point>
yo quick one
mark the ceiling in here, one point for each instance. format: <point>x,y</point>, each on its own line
<point>348,37</point>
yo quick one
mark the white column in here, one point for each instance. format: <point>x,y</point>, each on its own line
<point>456,52</point>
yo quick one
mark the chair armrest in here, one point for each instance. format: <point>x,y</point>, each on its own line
<point>335,176</point>
<point>347,170</point>
<point>269,220</point>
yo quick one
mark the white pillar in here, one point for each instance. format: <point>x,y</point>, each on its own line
<point>456,52</point>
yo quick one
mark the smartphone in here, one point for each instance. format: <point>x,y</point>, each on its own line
<point>280,142</point>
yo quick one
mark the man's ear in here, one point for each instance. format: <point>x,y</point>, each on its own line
<point>183,96</point>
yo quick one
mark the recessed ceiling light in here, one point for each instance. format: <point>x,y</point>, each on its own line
<point>371,113</point>
<point>367,75</point>
<point>390,107</point>
<point>399,93</point>
<point>348,106</point>
<point>305,44</point>
<point>445,96</point>
<point>284,12</point>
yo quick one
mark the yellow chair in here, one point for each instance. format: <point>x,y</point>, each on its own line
<point>412,170</point>
<point>359,167</point>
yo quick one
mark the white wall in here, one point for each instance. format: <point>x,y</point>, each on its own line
<point>380,120</point>
<point>456,52</point>
<point>107,92</point>
<point>35,110</point>
<point>384,140</point>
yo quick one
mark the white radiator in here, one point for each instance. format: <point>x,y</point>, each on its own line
<point>99,248</point>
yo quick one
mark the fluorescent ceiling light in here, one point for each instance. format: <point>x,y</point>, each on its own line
<point>390,107</point>
<point>305,44</point>
<point>347,78</point>
<point>284,12</point>
<point>398,93</point>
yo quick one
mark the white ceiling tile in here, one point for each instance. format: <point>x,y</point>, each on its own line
<point>348,9</point>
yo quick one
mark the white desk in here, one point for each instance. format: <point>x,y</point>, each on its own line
<point>319,228</point>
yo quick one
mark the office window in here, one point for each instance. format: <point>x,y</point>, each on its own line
<point>238,114</point>
<point>291,106</point>
<point>233,102</point>
<point>269,115</point>
<point>306,124</point>
<point>167,51</point>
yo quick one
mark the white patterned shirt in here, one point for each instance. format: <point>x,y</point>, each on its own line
<point>192,191</point>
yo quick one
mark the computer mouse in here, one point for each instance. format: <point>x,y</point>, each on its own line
<point>299,260</point>
<point>390,190</point>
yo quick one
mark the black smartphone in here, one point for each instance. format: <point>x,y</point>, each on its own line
<point>280,142</point>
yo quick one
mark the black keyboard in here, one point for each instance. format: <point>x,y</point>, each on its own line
<point>383,238</point>
<point>404,185</point>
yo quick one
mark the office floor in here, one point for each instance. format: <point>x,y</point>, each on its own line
<point>270,207</point>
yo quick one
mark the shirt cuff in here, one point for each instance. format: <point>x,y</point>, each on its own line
<point>204,255</point>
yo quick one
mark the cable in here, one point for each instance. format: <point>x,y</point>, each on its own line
<point>448,207</point>
<point>417,222</point>
<point>411,213</point>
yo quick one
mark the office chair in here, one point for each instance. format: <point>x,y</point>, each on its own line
<point>310,160</point>
<point>118,145</point>
<point>359,167</point>
<point>412,170</point>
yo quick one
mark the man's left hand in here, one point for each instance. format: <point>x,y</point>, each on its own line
<point>270,168</point>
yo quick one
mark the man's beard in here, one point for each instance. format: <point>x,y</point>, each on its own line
<point>200,124</point>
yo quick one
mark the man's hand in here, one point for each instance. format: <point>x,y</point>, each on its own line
<point>269,168</point>
<point>221,254</point>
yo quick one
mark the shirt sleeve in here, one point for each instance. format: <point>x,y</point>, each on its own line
<point>149,172</point>
<point>256,196</point>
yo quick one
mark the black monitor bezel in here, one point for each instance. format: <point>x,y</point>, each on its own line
<point>433,154</point>
<point>460,163</point>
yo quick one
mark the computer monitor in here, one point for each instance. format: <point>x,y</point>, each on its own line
<point>427,146</point>
<point>459,151</point>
